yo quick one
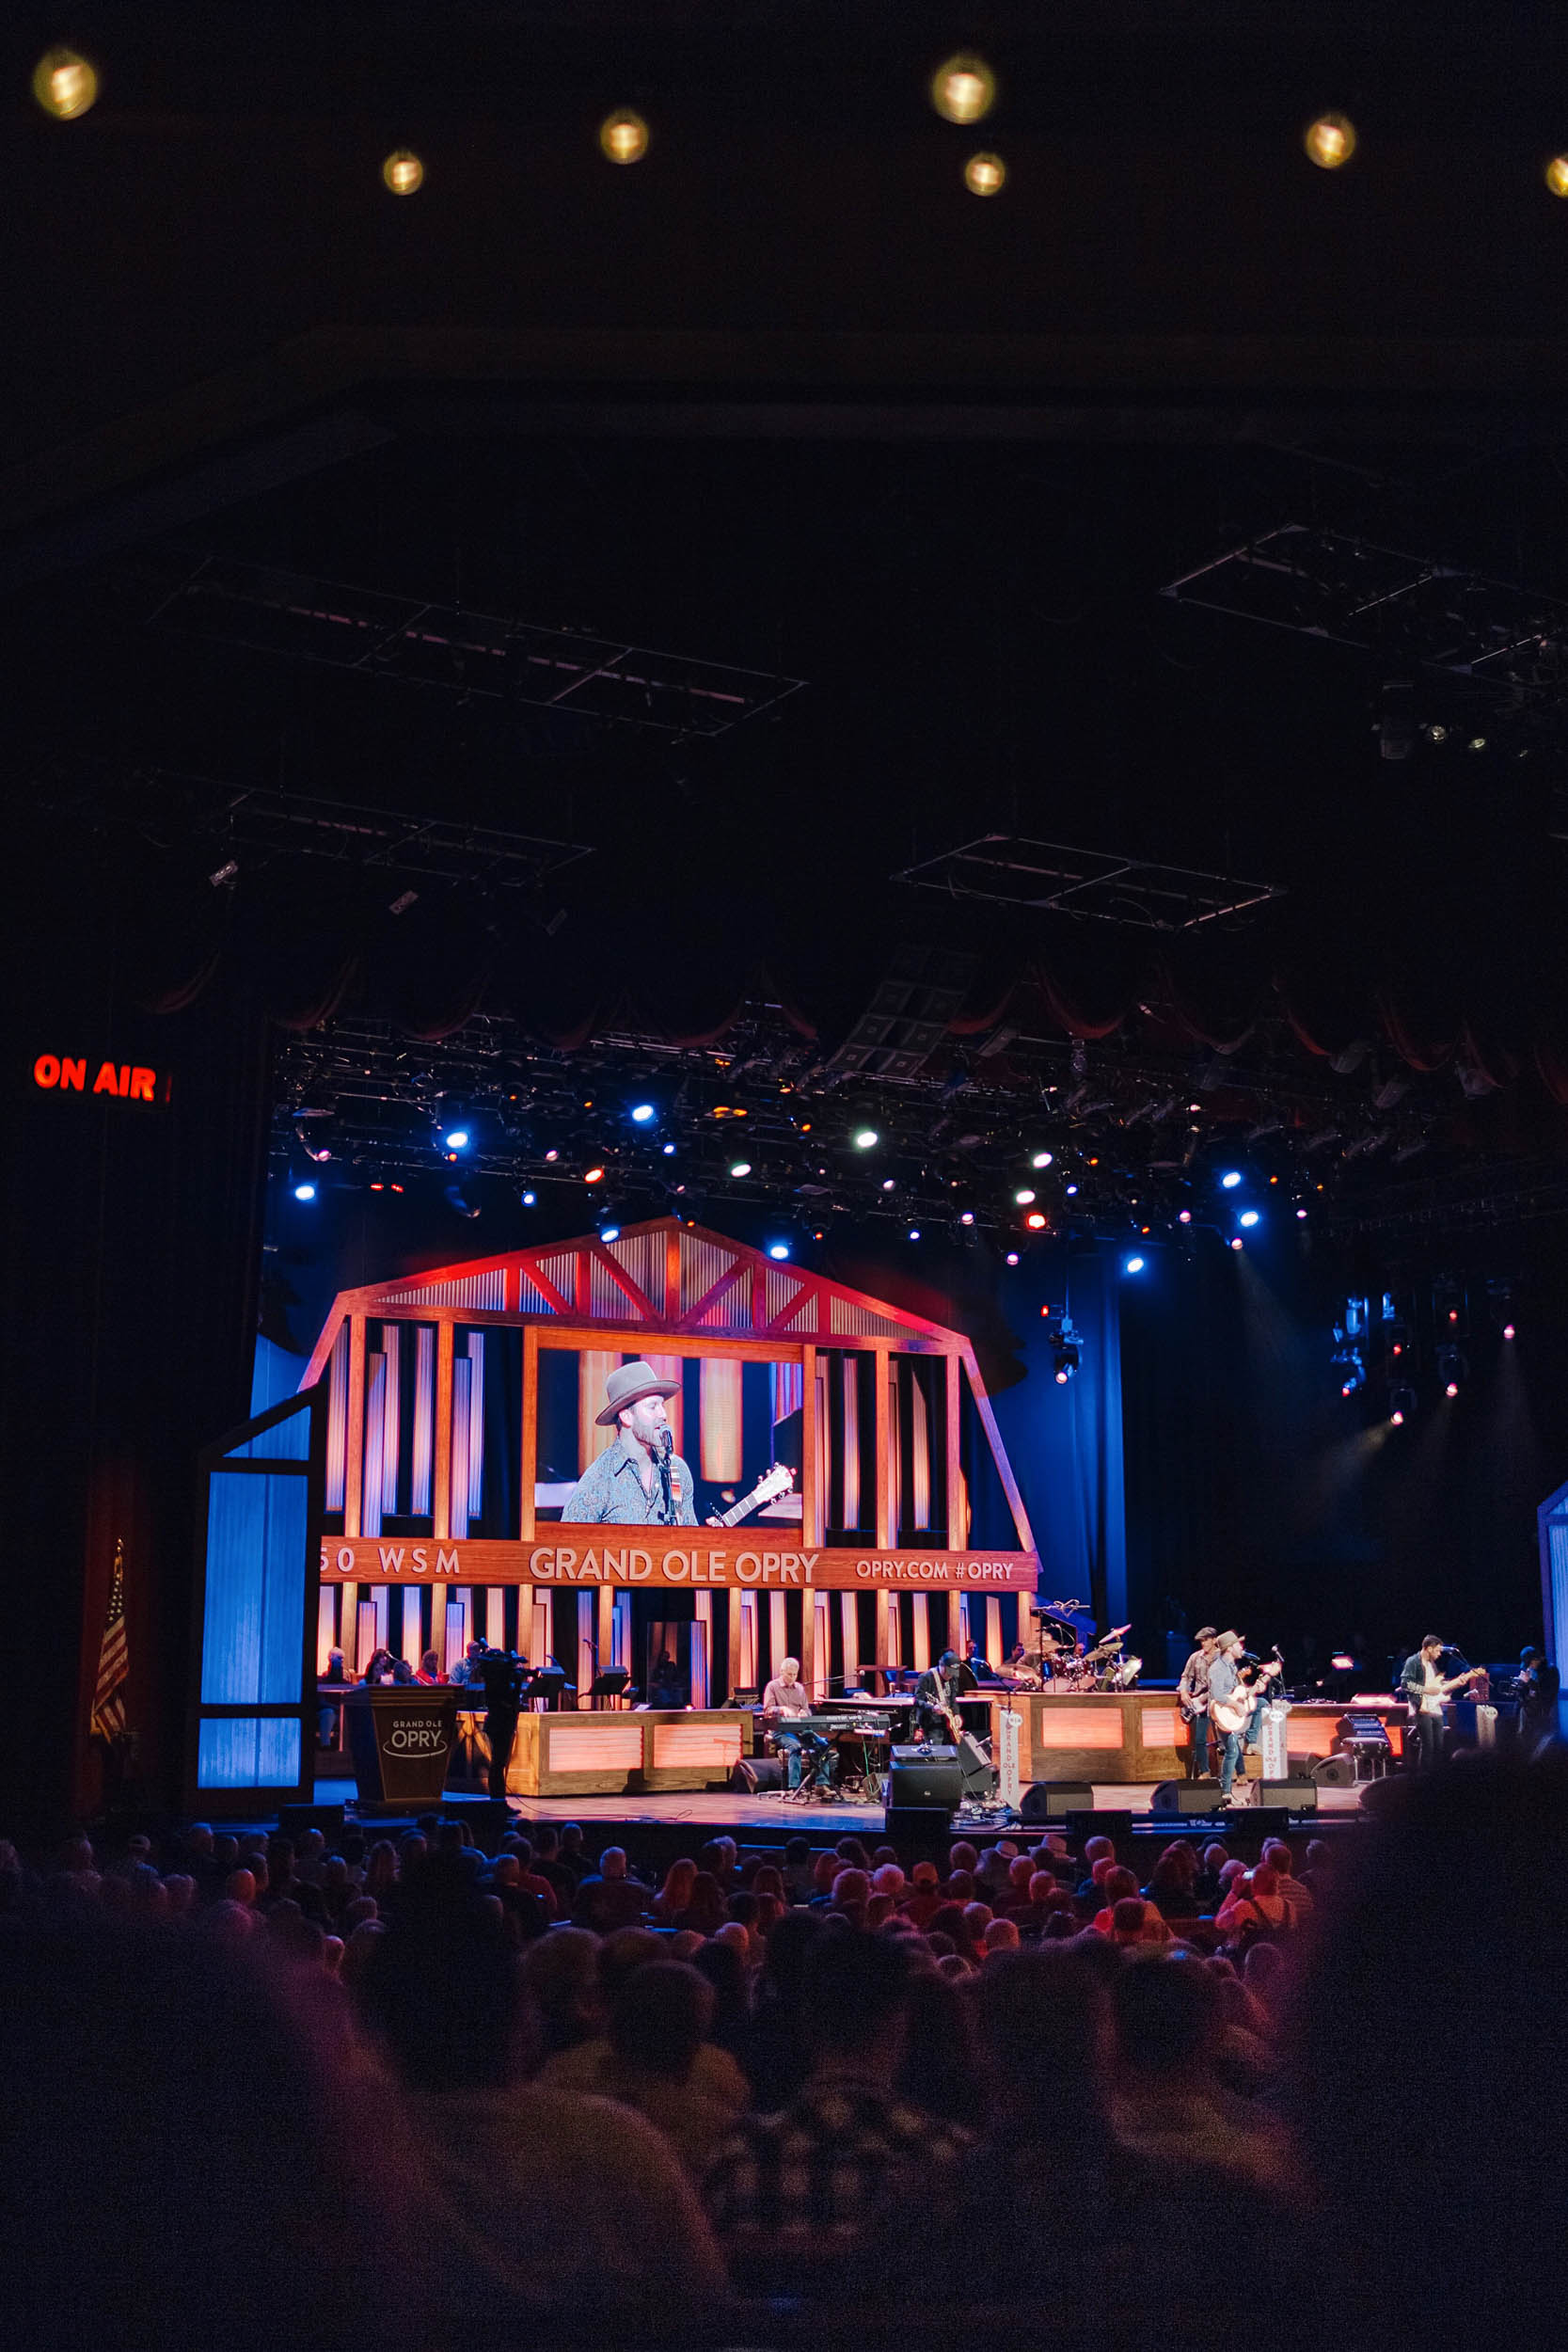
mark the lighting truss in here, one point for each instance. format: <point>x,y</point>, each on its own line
<point>303,618</point>
<point>1008,869</point>
<point>1409,610</point>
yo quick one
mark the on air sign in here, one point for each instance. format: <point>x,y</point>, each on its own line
<point>128,1082</point>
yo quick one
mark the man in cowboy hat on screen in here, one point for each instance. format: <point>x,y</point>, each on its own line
<point>640,1479</point>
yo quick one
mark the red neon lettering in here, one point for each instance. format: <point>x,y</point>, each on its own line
<point>140,1089</point>
<point>73,1073</point>
<point>108,1081</point>
<point>46,1071</point>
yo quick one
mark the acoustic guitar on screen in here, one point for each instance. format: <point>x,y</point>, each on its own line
<point>1235,1713</point>
<point>777,1481</point>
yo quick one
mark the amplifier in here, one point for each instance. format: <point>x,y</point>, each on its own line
<point>1334,1771</point>
<point>1186,1796</point>
<point>933,1780</point>
<point>1054,1799</point>
<point>1289,1796</point>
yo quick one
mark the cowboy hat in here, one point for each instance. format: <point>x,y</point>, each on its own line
<point>626,1384</point>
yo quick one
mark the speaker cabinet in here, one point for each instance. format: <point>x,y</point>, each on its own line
<point>1186,1797</point>
<point>1288,1796</point>
<point>937,1781</point>
<point>1334,1771</point>
<point>1054,1799</point>
<point>920,1832</point>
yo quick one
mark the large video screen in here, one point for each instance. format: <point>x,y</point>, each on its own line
<point>685,1441</point>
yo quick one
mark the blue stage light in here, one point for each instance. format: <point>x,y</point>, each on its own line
<point>529,1198</point>
<point>668,1149</point>
<point>305,1192</point>
<point>1012,1257</point>
<point>610,1232</point>
<point>1070,1190</point>
<point>1231,1178</point>
<point>1248,1218</point>
<point>778,1249</point>
<point>643,1112</point>
<point>915,1233</point>
<point>456,1138</point>
<point>968,1218</point>
<point>1133,1265</point>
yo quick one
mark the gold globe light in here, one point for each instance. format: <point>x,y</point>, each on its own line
<point>1330,141</point>
<point>963,90</point>
<point>1556,175</point>
<point>984,174</point>
<point>402,171</point>
<point>64,84</point>
<point>624,137</point>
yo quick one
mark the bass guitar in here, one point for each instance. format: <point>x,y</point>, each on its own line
<point>1235,1713</point>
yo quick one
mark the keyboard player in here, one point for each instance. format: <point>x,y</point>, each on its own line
<point>784,1700</point>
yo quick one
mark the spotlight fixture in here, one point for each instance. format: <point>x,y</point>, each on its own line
<point>889,1182</point>
<point>590,1176</point>
<point>221,876</point>
<point>669,1151</point>
<point>1231,1178</point>
<point>1183,1216</point>
<point>1508,1330</point>
<point>642,1113</point>
<point>915,1233</point>
<point>1247,1217</point>
<point>963,90</point>
<point>1012,1257</point>
<point>1035,1221</point>
<point>1396,1419</point>
<point>402,172</point>
<point>529,1199</point>
<point>1300,1216</point>
<point>1024,1199</point>
<point>1556,175</point>
<point>740,1167</point>
<point>64,84</point>
<point>610,1232</point>
<point>551,1156</point>
<point>1070,1190</point>
<point>968,1218</point>
<point>1132,1266</point>
<point>455,1199</point>
<point>984,175</point>
<point>624,137</point>
<point>1042,1159</point>
<point>865,1139</point>
<point>456,1138</point>
<point>778,1249</point>
<point>1450,1388</point>
<point>1330,141</point>
<point>305,1191</point>
<point>1402,1403</point>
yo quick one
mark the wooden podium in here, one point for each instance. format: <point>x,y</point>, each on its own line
<point>400,1738</point>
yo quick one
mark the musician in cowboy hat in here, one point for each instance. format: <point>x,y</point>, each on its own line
<point>640,1479</point>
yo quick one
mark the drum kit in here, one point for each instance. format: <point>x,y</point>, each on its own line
<point>1108,1667</point>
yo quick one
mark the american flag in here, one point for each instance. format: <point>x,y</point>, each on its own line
<point>113,1665</point>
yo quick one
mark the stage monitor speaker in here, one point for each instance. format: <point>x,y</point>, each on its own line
<point>1334,1771</point>
<point>294,1820</point>
<point>1286,1796</point>
<point>937,1781</point>
<point>1054,1799</point>
<point>920,1830</point>
<point>751,1774</point>
<point>1186,1796</point>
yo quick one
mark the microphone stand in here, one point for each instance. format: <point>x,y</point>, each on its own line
<point>666,1447</point>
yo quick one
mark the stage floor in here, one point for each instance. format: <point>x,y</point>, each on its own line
<point>724,1809</point>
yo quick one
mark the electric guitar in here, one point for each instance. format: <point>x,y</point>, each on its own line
<point>777,1481</point>
<point>1235,1713</point>
<point>1414,1696</point>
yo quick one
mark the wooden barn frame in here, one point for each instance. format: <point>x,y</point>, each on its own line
<point>671,1291</point>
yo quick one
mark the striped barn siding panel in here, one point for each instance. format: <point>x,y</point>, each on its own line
<point>701,1264</point>
<point>390,1420</point>
<point>778,1290</point>
<point>853,1321</point>
<point>560,1268</point>
<point>721,1436</point>
<point>643,1257</point>
<point>476,1425</point>
<point>594,1366</point>
<point>462,1372</point>
<point>424,1419</point>
<point>375,1440</point>
<point>673,1368</point>
<point>606,1302</point>
<point>530,1298</point>
<point>485,1292</point>
<point>920,1457</point>
<point>337,1419</point>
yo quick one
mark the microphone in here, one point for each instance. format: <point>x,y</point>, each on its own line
<point>666,1442</point>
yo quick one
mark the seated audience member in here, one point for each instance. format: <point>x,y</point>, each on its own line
<point>608,1898</point>
<point>1118,1884</point>
<point>797,1883</point>
<point>561,1973</point>
<point>533,1880</point>
<point>705,1910</point>
<point>1277,1854</point>
<point>177,2108</point>
<point>777,2052</point>
<point>925,1899</point>
<point>1254,1906</point>
<point>1172,1882</point>
<point>1208,1887</point>
<point>1045,1897</point>
<point>815,2191</point>
<point>723,1964</point>
<point>675,1894</point>
<point>581,2065</point>
<point>1096,1850</point>
<point>1172,2103</point>
<point>579,2206</point>
<point>523,1910</point>
<point>659,2023</point>
<point>1001,1935</point>
<point>1456,2003</point>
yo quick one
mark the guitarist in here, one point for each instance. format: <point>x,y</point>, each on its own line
<point>936,1701</point>
<point>1425,1688</point>
<point>640,1479</point>
<point>1233,1702</point>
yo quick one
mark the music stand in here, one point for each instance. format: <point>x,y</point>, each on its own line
<point>607,1688</point>
<point>546,1687</point>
